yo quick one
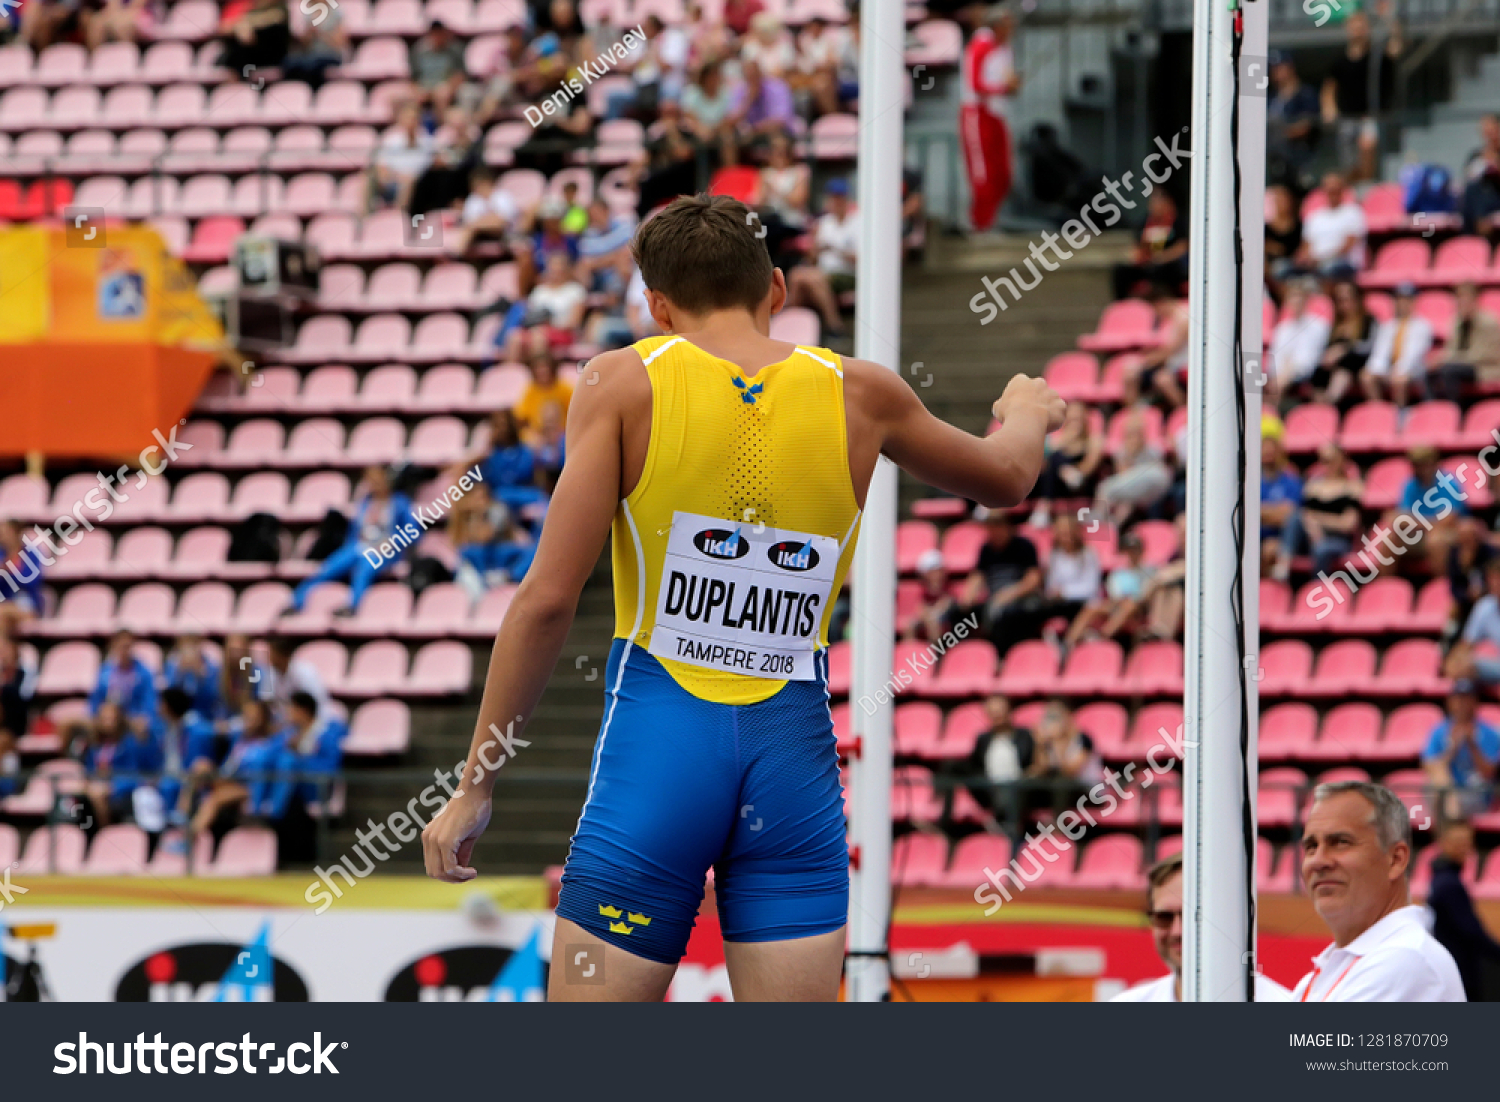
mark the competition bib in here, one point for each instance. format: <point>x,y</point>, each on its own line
<point>744,601</point>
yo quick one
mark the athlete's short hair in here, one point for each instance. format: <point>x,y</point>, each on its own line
<point>704,253</point>
<point>1159,874</point>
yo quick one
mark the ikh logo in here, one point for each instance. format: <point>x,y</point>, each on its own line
<point>791,555</point>
<point>473,973</point>
<point>213,971</point>
<point>719,544</point>
<point>622,922</point>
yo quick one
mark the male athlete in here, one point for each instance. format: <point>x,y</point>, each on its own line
<point>732,469</point>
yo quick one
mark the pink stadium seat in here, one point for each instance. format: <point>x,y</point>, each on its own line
<point>1343,669</point>
<point>213,239</point>
<point>1127,324</point>
<point>918,859</point>
<point>440,337</point>
<point>1106,724</point>
<point>333,234</point>
<point>1155,668</point>
<point>394,287</point>
<point>438,441</point>
<point>1074,375</point>
<point>142,553</point>
<point>1459,260</point>
<point>441,669</point>
<point>377,440</point>
<point>206,609</point>
<point>118,850</point>
<point>917,729</point>
<point>272,388</point>
<point>23,108</point>
<point>447,387</point>
<point>379,338</point>
<point>913,537</point>
<point>960,546</point>
<point>1287,731</point>
<point>331,387</point>
<point>1434,423</point>
<point>321,338</point>
<point>490,613</point>
<point>179,105</point>
<point>376,667</point>
<point>835,138</point>
<point>1319,607</point>
<point>501,386</point>
<point>254,443</point>
<point>1285,668</point>
<point>297,147</point>
<point>1368,427</point>
<point>283,227</point>
<point>377,59</point>
<point>59,64</point>
<point>1403,260</point>
<point>442,610</point>
<point>1383,605</point>
<point>450,287</point>
<point>24,498</point>
<point>342,286</point>
<point>966,670</point>
<point>1410,667</point>
<point>1348,733</point>
<point>16,65</point>
<point>972,856</point>
<point>388,389</point>
<point>379,727</point>
<point>913,658</point>
<point>1438,308</point>
<point>1093,667</point>
<point>10,845</point>
<point>1155,725</point>
<point>256,194</point>
<point>60,776</point>
<point>87,609</point>
<point>199,552</point>
<point>172,859</point>
<point>316,617</point>
<point>88,559</point>
<point>912,796</point>
<point>1407,730</point>
<point>201,497</point>
<point>53,849</point>
<point>260,605</point>
<point>497,15</point>
<point>1480,424</point>
<point>245,851</point>
<point>74,107</point>
<point>1277,799</point>
<point>285,102</point>
<point>1110,863</point>
<point>1384,482</point>
<point>798,325</point>
<point>1030,668</point>
<point>961,730</point>
<point>147,609</point>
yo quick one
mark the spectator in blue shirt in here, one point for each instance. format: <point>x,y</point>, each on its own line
<point>1462,754</point>
<point>492,549</point>
<point>307,766</point>
<point>127,681</point>
<point>1482,626</point>
<point>380,531</point>
<point>20,579</point>
<point>246,779</point>
<point>186,737</point>
<point>604,262</point>
<point>192,669</point>
<point>1280,494</point>
<point>1433,497</point>
<point>117,758</point>
<point>508,467</point>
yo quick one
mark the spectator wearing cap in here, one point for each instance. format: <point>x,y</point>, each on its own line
<point>1122,600</point>
<point>1482,626</point>
<point>1473,353</point>
<point>436,61</point>
<point>1333,237</point>
<point>1462,754</point>
<point>1292,122</point>
<point>834,256</point>
<point>936,611</point>
<point>1397,364</point>
<point>1356,864</point>
<point>1455,924</point>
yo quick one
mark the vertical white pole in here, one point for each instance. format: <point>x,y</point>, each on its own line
<point>1218,929</point>
<point>873,615</point>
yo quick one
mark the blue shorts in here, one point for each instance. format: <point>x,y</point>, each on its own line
<point>680,785</point>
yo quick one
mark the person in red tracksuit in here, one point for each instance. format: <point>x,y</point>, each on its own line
<point>989,80</point>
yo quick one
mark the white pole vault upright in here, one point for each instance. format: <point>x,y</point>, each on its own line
<point>1223,489</point>
<point>872,622</point>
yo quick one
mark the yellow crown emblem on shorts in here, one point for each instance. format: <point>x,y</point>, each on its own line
<point>623,922</point>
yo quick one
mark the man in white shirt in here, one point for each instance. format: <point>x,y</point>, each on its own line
<point>1333,238</point>
<point>835,252</point>
<point>1297,343</point>
<point>489,211</point>
<point>1398,356</point>
<point>1356,861</point>
<point>1164,912</point>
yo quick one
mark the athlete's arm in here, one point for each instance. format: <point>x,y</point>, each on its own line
<point>536,623</point>
<point>886,417</point>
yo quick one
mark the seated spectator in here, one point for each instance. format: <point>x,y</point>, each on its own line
<point>43,22</point>
<point>782,206</point>
<point>1280,494</point>
<point>1003,755</point>
<point>1327,520</point>
<point>708,38</point>
<point>1124,591</point>
<point>936,611</point>
<point>1075,455</point>
<point>1164,596</point>
<point>404,154</point>
<point>1283,238</point>
<point>1462,755</point>
<point>1163,369</point>
<point>542,238</point>
<point>17,684</point>
<point>1297,344</point>
<point>185,736</point>
<point>1006,579</point>
<point>457,149</point>
<point>1160,256</point>
<point>1473,353</point>
<point>20,579</point>
<point>1065,756</point>
<point>125,681</point>
<point>1480,205</point>
<point>554,312</point>
<point>286,676</point>
<point>1293,117</point>
<point>623,320</point>
<point>244,783</point>
<point>1350,339</point>
<point>550,447</point>
<point>380,515</point>
<point>1423,498</point>
<point>604,262</point>
<point>306,766</point>
<point>256,38</point>
<point>658,71</point>
<point>513,81</point>
<point>769,47</point>
<point>1482,626</point>
<point>668,166</point>
<point>1073,574</point>
<point>489,212</point>
<point>492,549</point>
<point>575,217</point>
<point>1398,355</point>
<point>830,271</point>
<point>1468,561</point>
<point>190,668</point>
<point>1333,237</point>
<point>545,389</point>
<point>762,106</point>
<point>1489,142</point>
<point>113,21</point>
<point>241,678</point>
<point>819,49</point>
<point>707,105</point>
<point>508,465</point>
<point>322,45</point>
<point>436,61</point>
<point>1141,476</point>
<point>118,757</point>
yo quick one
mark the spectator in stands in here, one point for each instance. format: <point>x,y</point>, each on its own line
<point>1163,369</point>
<point>1065,755</point>
<point>490,212</point>
<point>404,154</point>
<point>604,263</point>
<point>368,550</point>
<point>936,610</point>
<point>1480,206</point>
<point>113,21</point>
<point>287,676</point>
<point>1423,496</point>
<point>437,68</point>
<point>830,271</point>
<point>1489,144</point>
<point>1141,476</point>
<point>554,313</point>
<point>244,782</point>
<point>1333,236</point>
<point>770,48</point>
<point>1073,574</point>
<point>762,106</point>
<point>508,466</point>
<point>16,687</point>
<point>622,321</point>
<point>20,579</point>
<point>1006,579</point>
<point>545,389</point>
<point>1280,494</point>
<point>658,71</point>
<point>542,238</point>
<point>258,38</point>
<point>118,755</point>
<point>785,186</point>
<point>1473,353</point>
<point>1328,518</point>
<point>1350,339</point>
<point>43,22</point>
<point>1356,863</point>
<point>322,45</point>
<point>1297,344</point>
<point>457,151</point>
<point>1002,756</point>
<point>125,681</point>
<point>1482,626</point>
<point>1455,924</point>
<point>1121,603</point>
<point>1346,100</point>
<point>1462,755</point>
<point>241,678</point>
<point>707,107</point>
<point>1164,597</point>
<point>819,49</point>
<point>186,736</point>
<point>307,764</point>
<point>1468,561</point>
<point>190,668</point>
<point>1160,256</point>
<point>1283,238</point>
<point>550,448</point>
<point>1292,118</point>
<point>1075,457</point>
<point>1398,355</point>
<point>492,549</point>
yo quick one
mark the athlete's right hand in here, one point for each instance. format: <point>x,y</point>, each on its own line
<point>448,840</point>
<point>1024,392</point>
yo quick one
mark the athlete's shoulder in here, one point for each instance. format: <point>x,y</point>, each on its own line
<point>875,391</point>
<point>611,380</point>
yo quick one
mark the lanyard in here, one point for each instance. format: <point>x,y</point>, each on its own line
<point>1317,971</point>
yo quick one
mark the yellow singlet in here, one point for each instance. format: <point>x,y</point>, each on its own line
<point>731,549</point>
